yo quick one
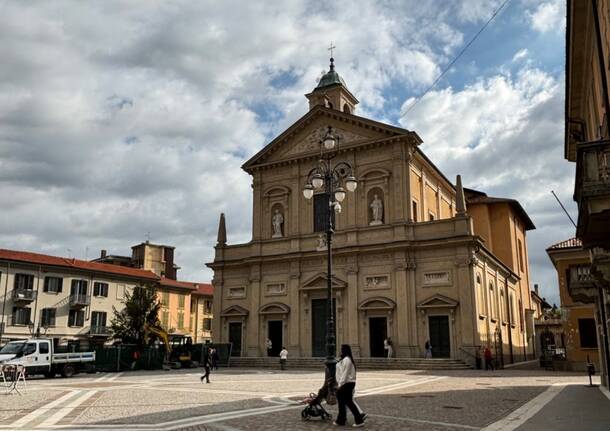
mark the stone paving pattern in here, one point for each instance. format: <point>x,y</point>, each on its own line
<point>394,400</point>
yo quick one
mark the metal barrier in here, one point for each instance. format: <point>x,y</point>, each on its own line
<point>129,357</point>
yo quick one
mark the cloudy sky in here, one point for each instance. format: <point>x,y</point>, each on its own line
<point>122,118</point>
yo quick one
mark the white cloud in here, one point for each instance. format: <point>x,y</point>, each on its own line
<point>520,55</point>
<point>119,119</point>
<point>549,16</point>
<point>504,134</point>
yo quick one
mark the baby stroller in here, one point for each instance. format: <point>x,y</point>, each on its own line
<point>314,407</point>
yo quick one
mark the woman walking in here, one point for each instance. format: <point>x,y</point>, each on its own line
<point>346,384</point>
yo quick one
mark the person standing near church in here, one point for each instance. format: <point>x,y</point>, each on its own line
<point>489,360</point>
<point>268,346</point>
<point>283,358</point>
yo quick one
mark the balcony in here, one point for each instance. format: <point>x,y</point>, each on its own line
<point>592,193</point>
<point>99,331</point>
<point>580,284</point>
<point>24,295</point>
<point>79,300</point>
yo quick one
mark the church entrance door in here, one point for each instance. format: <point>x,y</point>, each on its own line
<point>378,331</point>
<point>235,338</point>
<point>276,336</point>
<point>318,327</point>
<point>439,336</point>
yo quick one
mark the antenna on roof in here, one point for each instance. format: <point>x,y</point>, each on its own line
<point>69,250</point>
<point>563,208</point>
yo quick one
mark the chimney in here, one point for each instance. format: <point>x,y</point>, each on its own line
<point>103,254</point>
<point>536,288</point>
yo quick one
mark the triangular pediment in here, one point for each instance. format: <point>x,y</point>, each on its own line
<point>234,311</point>
<point>319,281</point>
<point>302,139</point>
<point>438,301</point>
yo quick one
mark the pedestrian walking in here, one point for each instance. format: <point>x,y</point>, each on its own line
<point>215,358</point>
<point>283,358</point>
<point>346,387</point>
<point>489,360</point>
<point>207,363</point>
<point>428,350</point>
<point>269,346</point>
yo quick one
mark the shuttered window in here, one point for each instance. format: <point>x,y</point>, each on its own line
<point>320,213</point>
<point>53,284</point>
<point>48,317</point>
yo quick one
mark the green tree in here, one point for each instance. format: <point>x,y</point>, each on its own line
<point>141,307</point>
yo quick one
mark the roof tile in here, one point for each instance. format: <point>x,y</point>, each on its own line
<point>72,263</point>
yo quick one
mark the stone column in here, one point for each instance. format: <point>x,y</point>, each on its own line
<point>401,313</point>
<point>253,339</point>
<point>409,198</point>
<point>294,321</point>
<point>351,311</point>
<point>412,307</point>
<point>218,335</point>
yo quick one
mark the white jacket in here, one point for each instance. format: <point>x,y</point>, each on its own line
<point>346,372</point>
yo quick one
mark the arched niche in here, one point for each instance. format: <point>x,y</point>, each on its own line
<point>376,206</point>
<point>275,197</point>
<point>346,108</point>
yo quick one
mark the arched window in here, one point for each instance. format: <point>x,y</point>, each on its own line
<point>493,301</point>
<point>346,108</point>
<point>481,294</point>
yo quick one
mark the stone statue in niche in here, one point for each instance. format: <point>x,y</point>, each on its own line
<point>377,209</point>
<point>321,242</point>
<point>277,221</point>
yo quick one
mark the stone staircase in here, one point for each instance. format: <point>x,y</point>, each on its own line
<point>362,363</point>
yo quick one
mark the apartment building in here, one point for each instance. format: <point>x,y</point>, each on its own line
<point>70,300</point>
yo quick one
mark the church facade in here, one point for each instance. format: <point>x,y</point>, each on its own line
<point>410,260</point>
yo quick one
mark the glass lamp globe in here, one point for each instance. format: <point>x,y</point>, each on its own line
<point>308,191</point>
<point>340,194</point>
<point>317,181</point>
<point>351,183</point>
<point>329,141</point>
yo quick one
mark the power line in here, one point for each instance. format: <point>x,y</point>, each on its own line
<point>464,49</point>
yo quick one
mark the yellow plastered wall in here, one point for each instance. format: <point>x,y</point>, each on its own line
<point>176,310</point>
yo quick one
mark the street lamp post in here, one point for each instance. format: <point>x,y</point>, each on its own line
<point>331,178</point>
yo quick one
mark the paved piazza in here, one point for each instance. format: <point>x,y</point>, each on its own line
<point>239,399</point>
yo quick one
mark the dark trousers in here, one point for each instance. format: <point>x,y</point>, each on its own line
<point>269,351</point>
<point>489,364</point>
<point>345,398</point>
<point>283,364</point>
<point>206,376</point>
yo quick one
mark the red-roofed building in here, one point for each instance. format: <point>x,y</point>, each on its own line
<point>201,312</point>
<point>68,299</point>
<point>71,300</point>
<point>576,285</point>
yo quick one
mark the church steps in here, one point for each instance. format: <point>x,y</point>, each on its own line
<point>363,363</point>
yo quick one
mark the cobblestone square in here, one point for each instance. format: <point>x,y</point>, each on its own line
<point>241,399</point>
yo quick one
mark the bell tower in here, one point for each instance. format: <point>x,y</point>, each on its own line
<point>332,92</point>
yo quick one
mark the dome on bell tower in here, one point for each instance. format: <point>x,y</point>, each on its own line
<point>332,92</point>
<point>331,77</point>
